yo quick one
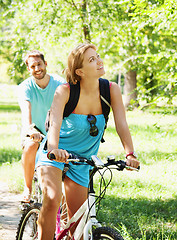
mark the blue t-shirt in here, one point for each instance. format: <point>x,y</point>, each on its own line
<point>40,99</point>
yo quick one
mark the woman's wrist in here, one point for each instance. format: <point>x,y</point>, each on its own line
<point>131,154</point>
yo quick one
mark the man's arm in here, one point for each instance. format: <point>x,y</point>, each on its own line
<point>27,128</point>
<point>25,107</point>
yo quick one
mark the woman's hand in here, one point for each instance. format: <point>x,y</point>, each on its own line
<point>132,162</point>
<point>60,155</point>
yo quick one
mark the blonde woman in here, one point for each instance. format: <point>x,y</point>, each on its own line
<point>74,134</point>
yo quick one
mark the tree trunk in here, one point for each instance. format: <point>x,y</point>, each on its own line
<point>85,21</point>
<point>130,88</point>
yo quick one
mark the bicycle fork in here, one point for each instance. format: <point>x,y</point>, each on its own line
<point>92,218</point>
<point>92,221</point>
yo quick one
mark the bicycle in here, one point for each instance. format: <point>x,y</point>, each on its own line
<point>89,227</point>
<point>27,226</point>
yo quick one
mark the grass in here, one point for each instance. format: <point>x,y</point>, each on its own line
<point>141,205</point>
<point>10,149</point>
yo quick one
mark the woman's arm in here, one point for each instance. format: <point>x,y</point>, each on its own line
<point>61,97</point>
<point>121,124</point>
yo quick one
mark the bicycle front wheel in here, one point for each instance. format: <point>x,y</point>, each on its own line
<point>106,233</point>
<point>27,228</point>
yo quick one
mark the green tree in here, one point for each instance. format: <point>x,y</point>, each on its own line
<point>156,21</point>
<point>136,38</point>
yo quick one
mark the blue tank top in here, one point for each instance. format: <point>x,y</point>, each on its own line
<point>75,135</point>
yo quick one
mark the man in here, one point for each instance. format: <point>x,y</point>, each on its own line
<point>35,98</point>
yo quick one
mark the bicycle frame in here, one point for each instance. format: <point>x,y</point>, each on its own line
<point>92,221</point>
<point>88,225</point>
<point>87,212</point>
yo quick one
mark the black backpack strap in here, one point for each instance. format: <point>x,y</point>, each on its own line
<point>70,106</point>
<point>73,99</point>
<point>105,100</point>
<point>47,121</point>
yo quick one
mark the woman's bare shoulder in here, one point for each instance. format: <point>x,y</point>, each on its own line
<point>114,88</point>
<point>62,92</point>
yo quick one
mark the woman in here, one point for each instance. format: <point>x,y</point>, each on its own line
<point>72,134</point>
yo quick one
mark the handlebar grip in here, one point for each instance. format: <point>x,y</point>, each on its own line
<point>122,164</point>
<point>132,168</point>
<point>51,156</point>
<point>73,156</point>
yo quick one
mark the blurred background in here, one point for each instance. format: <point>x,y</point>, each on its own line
<point>136,39</point>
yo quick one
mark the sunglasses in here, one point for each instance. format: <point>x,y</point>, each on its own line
<point>93,128</point>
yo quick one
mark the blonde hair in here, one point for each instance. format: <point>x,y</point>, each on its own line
<point>75,61</point>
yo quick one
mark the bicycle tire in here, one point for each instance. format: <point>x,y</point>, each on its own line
<point>27,228</point>
<point>106,233</point>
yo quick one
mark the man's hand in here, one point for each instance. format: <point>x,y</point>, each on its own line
<point>34,134</point>
<point>36,137</point>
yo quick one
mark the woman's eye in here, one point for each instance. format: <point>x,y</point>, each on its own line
<point>91,59</point>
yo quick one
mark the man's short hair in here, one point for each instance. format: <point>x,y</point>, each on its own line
<point>34,53</point>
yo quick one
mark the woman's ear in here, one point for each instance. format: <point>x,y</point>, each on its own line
<point>79,72</point>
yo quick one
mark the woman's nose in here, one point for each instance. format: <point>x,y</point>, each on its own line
<point>99,61</point>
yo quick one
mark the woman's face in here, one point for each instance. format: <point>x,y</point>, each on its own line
<point>92,64</point>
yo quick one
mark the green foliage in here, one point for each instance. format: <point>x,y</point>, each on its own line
<point>157,66</point>
<point>142,205</point>
<point>130,35</point>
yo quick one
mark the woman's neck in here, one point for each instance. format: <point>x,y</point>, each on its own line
<point>89,85</point>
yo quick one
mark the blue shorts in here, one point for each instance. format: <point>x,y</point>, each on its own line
<point>77,173</point>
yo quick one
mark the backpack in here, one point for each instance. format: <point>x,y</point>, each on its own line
<point>74,98</point>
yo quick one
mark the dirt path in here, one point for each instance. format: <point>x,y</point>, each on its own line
<point>9,213</point>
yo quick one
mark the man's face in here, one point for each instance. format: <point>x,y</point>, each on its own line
<point>37,67</point>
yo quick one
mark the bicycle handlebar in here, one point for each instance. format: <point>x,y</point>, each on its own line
<point>120,164</point>
<point>72,157</point>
